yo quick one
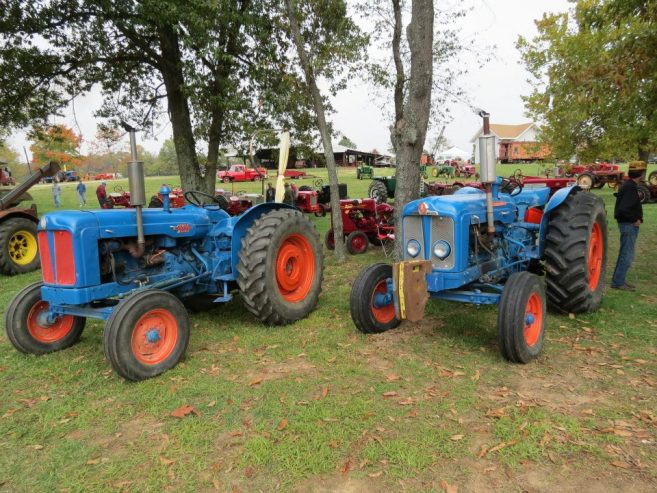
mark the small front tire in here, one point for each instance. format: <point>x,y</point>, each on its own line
<point>146,334</point>
<point>367,316</point>
<point>357,242</point>
<point>25,327</point>
<point>521,318</point>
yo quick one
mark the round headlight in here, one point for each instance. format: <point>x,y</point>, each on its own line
<point>441,249</point>
<point>413,248</point>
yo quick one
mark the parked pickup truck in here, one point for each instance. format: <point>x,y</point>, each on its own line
<point>239,172</point>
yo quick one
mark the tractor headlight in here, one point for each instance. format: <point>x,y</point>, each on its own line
<point>413,248</point>
<point>441,249</point>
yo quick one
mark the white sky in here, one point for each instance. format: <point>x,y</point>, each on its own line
<point>497,87</point>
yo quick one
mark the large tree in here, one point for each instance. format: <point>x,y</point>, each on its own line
<point>220,67</point>
<point>595,79</point>
<point>326,41</point>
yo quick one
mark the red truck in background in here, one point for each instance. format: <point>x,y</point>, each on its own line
<point>239,172</point>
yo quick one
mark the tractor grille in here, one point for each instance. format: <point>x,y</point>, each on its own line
<point>442,228</point>
<point>62,272</point>
<point>413,231</point>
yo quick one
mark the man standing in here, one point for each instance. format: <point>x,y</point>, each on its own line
<point>288,196</point>
<point>101,193</point>
<point>82,192</point>
<point>629,214</point>
<point>270,194</point>
<point>56,193</point>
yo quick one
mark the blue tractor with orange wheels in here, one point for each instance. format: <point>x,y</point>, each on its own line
<point>491,248</point>
<point>138,269</point>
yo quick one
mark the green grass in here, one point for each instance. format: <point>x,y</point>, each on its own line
<point>68,423</point>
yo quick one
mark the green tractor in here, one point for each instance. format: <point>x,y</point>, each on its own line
<point>364,171</point>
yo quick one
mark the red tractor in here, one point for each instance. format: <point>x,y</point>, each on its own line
<point>235,203</point>
<point>121,198</point>
<point>363,222</point>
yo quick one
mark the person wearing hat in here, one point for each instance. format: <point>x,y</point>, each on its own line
<point>288,196</point>
<point>629,214</point>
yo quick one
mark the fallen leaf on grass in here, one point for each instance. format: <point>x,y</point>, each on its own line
<point>456,438</point>
<point>476,376</point>
<point>392,377</point>
<point>249,472</point>
<point>391,393</point>
<point>325,391</point>
<point>621,464</point>
<point>448,488</point>
<point>37,447</point>
<point>409,401</point>
<point>183,411</point>
<point>164,461</point>
<point>92,462</point>
<point>282,425</point>
<point>254,382</point>
<point>501,445</point>
<point>346,467</point>
<point>235,433</point>
<point>212,403</point>
<point>375,474</point>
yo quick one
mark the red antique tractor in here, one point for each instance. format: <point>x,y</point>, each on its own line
<point>363,222</point>
<point>235,203</point>
<point>121,198</point>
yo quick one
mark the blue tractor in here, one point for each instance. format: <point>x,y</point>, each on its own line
<point>139,269</point>
<point>492,247</point>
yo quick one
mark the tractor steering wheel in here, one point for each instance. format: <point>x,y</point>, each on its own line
<point>193,197</point>
<point>511,186</point>
<point>118,189</point>
<point>518,176</point>
<point>318,183</point>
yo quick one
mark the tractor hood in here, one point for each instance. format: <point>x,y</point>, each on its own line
<point>184,222</point>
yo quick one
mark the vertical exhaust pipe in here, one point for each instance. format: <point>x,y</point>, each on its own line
<point>137,187</point>
<point>488,171</point>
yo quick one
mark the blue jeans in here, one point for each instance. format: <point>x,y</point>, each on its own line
<point>628,236</point>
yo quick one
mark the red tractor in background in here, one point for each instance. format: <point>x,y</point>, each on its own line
<point>363,222</point>
<point>594,175</point>
<point>121,198</point>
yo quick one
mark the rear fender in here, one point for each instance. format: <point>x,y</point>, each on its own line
<point>245,221</point>
<point>557,199</point>
<point>30,214</point>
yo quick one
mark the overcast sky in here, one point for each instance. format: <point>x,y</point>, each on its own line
<point>497,87</point>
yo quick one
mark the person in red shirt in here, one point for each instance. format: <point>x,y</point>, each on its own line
<point>101,193</point>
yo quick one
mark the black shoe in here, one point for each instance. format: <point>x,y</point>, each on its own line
<point>624,287</point>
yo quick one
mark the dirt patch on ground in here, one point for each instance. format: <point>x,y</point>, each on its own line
<point>340,484</point>
<point>274,370</point>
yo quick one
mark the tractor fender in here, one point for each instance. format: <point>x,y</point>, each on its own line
<point>244,222</point>
<point>22,213</point>
<point>555,201</point>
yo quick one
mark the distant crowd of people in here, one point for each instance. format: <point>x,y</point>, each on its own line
<point>81,190</point>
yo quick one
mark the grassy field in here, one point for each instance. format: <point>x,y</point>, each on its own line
<point>316,406</point>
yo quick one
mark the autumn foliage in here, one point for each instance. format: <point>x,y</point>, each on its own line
<point>55,143</point>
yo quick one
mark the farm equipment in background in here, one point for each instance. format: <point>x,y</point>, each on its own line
<point>647,188</point>
<point>364,171</point>
<point>236,203</point>
<point>137,268</point>
<point>489,248</point>
<point>19,250</point>
<point>121,198</point>
<point>594,175</point>
<point>324,195</point>
<point>363,222</point>
<point>446,170</point>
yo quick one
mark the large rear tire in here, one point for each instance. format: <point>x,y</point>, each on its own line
<point>521,318</point>
<point>281,267</point>
<point>27,327</point>
<point>378,191</point>
<point>652,178</point>
<point>644,193</point>
<point>367,316</point>
<point>576,254</point>
<point>19,249</point>
<point>146,335</point>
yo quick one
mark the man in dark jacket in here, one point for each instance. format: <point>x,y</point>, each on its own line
<point>629,214</point>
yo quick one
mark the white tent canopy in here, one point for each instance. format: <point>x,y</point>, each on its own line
<point>453,153</point>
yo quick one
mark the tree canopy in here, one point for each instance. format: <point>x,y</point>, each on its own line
<point>55,143</point>
<point>594,74</point>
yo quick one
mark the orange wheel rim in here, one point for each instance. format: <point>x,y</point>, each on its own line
<point>47,334</point>
<point>533,320</point>
<point>295,268</point>
<point>384,314</point>
<point>596,247</point>
<point>358,243</point>
<point>154,337</point>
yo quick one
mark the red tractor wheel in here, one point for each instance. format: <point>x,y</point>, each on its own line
<point>146,335</point>
<point>329,240</point>
<point>29,328</point>
<point>226,179</point>
<point>521,318</point>
<point>357,242</point>
<point>281,267</point>
<point>576,254</point>
<point>321,212</point>
<point>372,307</point>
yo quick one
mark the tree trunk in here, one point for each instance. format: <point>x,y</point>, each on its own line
<point>181,123</point>
<point>323,129</point>
<point>410,129</point>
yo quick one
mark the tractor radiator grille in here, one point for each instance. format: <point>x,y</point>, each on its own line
<point>63,270</point>
<point>442,228</point>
